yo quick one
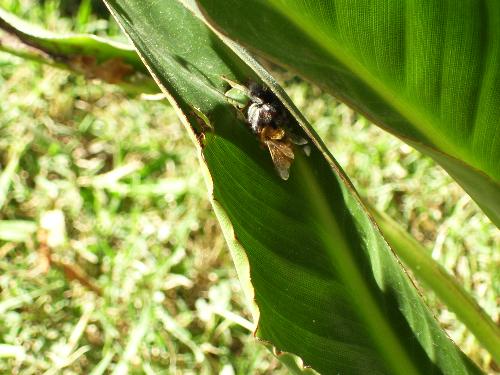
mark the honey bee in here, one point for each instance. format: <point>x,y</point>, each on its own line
<point>270,121</point>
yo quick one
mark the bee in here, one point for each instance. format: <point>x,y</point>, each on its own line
<point>271,122</point>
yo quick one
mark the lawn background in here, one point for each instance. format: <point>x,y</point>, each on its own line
<point>111,259</point>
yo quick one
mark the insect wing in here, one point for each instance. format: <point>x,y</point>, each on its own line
<point>298,140</point>
<point>282,155</point>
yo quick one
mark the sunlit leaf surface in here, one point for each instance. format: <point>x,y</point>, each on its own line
<point>426,71</point>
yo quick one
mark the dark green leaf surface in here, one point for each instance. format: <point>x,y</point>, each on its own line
<point>426,71</point>
<point>326,285</point>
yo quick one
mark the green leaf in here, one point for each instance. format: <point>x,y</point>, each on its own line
<point>94,56</point>
<point>435,277</point>
<point>325,284</point>
<point>427,71</point>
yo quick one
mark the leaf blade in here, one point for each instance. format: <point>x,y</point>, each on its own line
<point>426,71</point>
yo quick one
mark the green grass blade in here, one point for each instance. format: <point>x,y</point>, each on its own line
<point>137,334</point>
<point>6,175</point>
<point>103,365</point>
<point>17,230</point>
<point>83,15</point>
<point>325,284</point>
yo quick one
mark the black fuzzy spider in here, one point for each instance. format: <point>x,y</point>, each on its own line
<point>265,109</point>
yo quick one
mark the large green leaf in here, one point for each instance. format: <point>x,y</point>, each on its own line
<point>427,71</point>
<point>326,286</point>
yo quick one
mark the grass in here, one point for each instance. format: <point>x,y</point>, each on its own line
<point>111,260</point>
<point>127,261</point>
